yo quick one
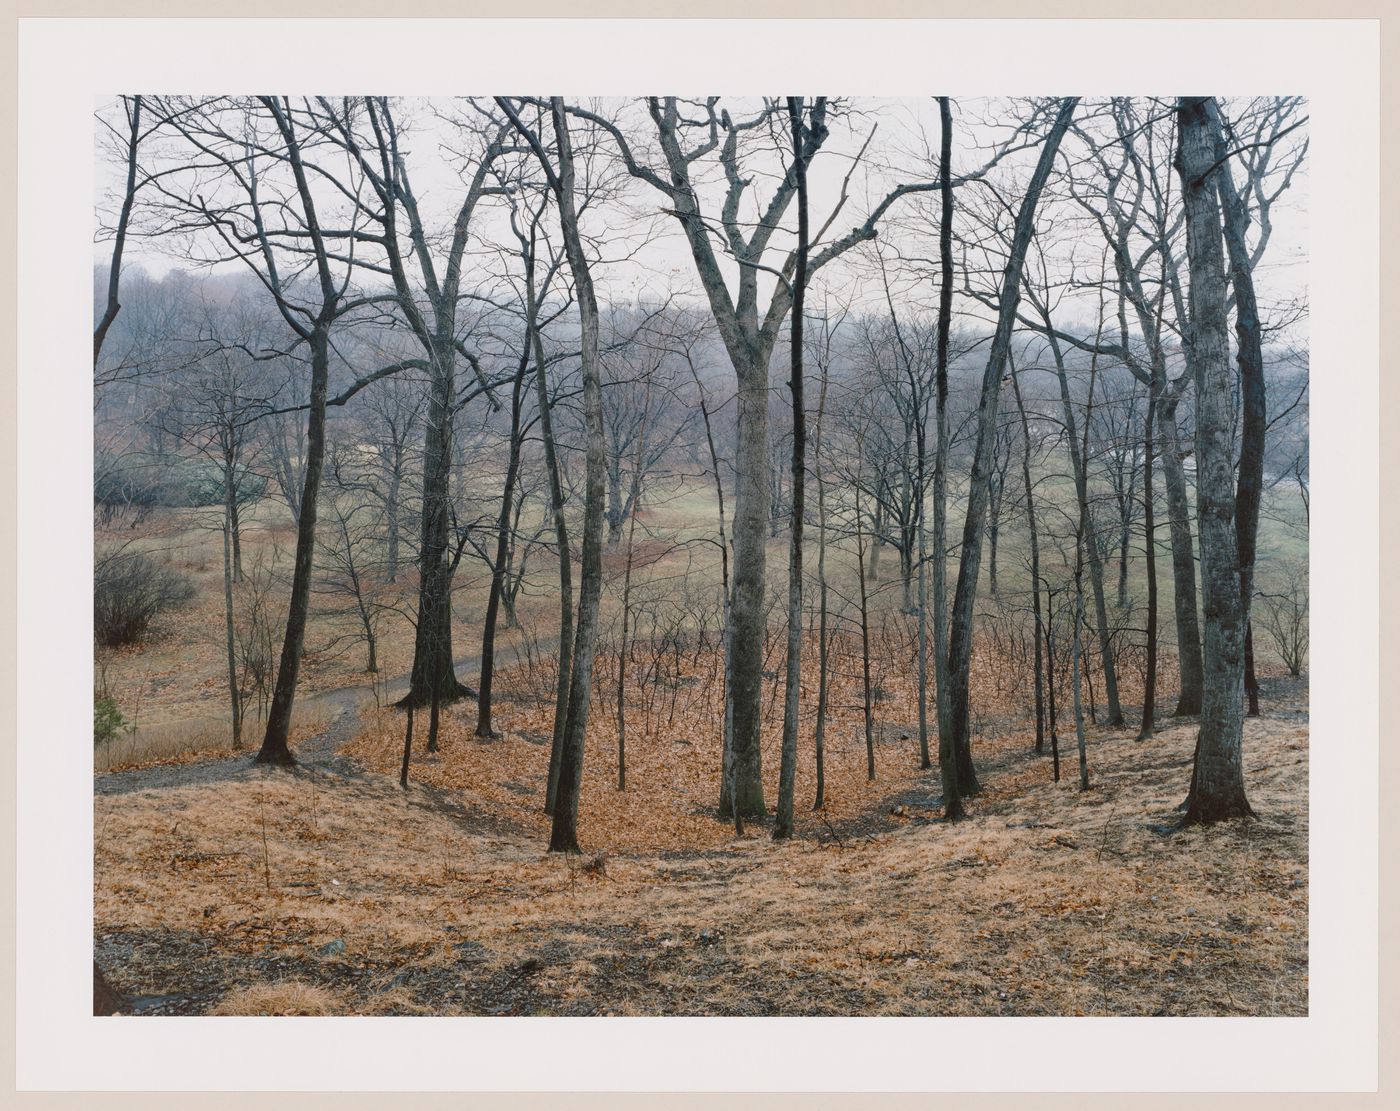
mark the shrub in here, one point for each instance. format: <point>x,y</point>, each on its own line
<point>107,720</point>
<point>130,589</point>
<point>1281,614</point>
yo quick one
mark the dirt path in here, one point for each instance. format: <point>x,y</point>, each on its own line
<point>320,752</point>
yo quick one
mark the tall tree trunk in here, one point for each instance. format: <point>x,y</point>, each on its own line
<point>1253,402</point>
<point>503,531</point>
<point>823,638</point>
<point>1218,788</point>
<point>627,602</point>
<point>1077,659</point>
<point>925,756</point>
<point>727,742</point>
<point>432,646</point>
<point>1079,462</point>
<point>787,770</point>
<point>747,612</point>
<point>1149,528</point>
<point>1050,683</point>
<point>1077,669</point>
<point>866,699</point>
<point>947,745</point>
<point>561,541</point>
<point>564,834</point>
<point>279,717</point>
<point>961,623</point>
<point>993,531</point>
<point>234,695</point>
<point>1124,539</point>
<point>1035,557</point>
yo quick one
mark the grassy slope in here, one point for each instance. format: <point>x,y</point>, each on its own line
<point>1048,901</point>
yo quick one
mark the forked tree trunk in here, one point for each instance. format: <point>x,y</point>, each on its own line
<point>564,833</point>
<point>433,671</point>
<point>956,713</point>
<point>1079,463</point>
<point>1218,788</point>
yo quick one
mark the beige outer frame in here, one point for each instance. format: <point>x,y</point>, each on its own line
<point>1390,519</point>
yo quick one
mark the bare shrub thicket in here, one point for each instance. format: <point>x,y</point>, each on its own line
<point>131,589</point>
<point>1282,616</point>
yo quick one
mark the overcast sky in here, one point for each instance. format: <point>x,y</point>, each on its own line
<point>644,254</point>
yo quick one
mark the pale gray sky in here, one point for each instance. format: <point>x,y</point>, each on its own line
<point>647,255</point>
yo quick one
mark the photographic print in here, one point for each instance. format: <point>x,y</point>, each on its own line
<point>701,555</point>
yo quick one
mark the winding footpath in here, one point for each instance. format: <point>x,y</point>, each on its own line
<point>319,752</point>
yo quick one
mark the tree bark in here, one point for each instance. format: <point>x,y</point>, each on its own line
<point>433,671</point>
<point>279,716</point>
<point>823,639</point>
<point>561,540</point>
<point>787,772</point>
<point>956,713</point>
<point>1149,528</point>
<point>1079,462</point>
<point>1077,657</point>
<point>947,744</point>
<point>627,604</point>
<point>1218,788</point>
<point>503,532</point>
<point>1253,402</point>
<point>1035,558</point>
<point>234,695</point>
<point>866,699</point>
<point>1188,629</point>
<point>564,832</point>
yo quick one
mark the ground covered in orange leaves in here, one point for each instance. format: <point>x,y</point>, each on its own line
<point>331,891</point>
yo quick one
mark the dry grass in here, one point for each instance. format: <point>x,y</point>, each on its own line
<point>1046,901</point>
<point>179,672</point>
<point>269,892</point>
<point>192,740</point>
<point>290,998</point>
